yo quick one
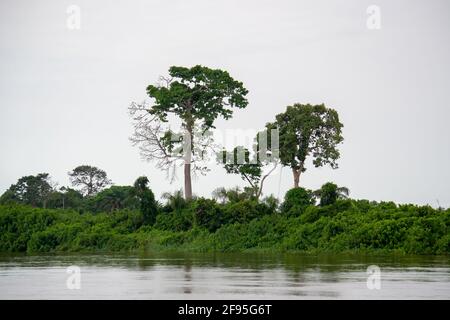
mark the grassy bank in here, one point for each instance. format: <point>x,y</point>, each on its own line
<point>204,225</point>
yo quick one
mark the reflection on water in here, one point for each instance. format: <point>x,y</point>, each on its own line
<point>224,276</point>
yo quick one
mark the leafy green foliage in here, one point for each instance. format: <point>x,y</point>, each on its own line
<point>31,190</point>
<point>304,130</point>
<point>147,200</point>
<point>89,178</point>
<point>296,200</point>
<point>232,195</point>
<point>250,167</point>
<point>197,96</point>
<point>198,93</point>
<point>112,199</point>
<point>203,224</point>
<point>65,198</point>
<point>175,200</point>
<point>207,214</point>
<point>329,193</point>
<point>239,162</point>
<point>180,220</point>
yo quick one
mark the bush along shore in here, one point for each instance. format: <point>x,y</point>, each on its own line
<point>233,222</point>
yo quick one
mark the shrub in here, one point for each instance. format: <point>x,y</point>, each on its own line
<point>175,220</point>
<point>344,225</point>
<point>243,211</point>
<point>207,214</point>
<point>296,200</point>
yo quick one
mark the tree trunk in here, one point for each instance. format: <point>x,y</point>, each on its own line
<point>187,161</point>
<point>187,181</point>
<point>296,173</point>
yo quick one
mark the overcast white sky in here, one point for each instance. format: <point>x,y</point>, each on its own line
<point>64,93</point>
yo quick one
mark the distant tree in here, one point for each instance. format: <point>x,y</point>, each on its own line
<point>175,200</point>
<point>271,202</point>
<point>147,201</point>
<point>90,179</point>
<point>306,130</point>
<point>31,190</point>
<point>112,199</point>
<point>197,96</point>
<point>232,195</point>
<point>329,193</point>
<point>65,198</point>
<point>220,194</point>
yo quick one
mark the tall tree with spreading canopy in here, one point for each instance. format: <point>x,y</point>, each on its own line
<point>197,96</point>
<point>308,130</point>
<point>91,179</point>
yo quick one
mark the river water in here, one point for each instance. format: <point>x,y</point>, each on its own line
<point>224,276</point>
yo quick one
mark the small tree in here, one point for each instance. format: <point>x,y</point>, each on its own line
<point>329,193</point>
<point>306,130</point>
<point>90,179</point>
<point>251,168</point>
<point>242,165</point>
<point>197,96</point>
<point>65,198</point>
<point>175,200</point>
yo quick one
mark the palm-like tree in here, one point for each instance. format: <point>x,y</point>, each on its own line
<point>330,192</point>
<point>175,200</point>
<point>220,194</point>
<point>232,195</point>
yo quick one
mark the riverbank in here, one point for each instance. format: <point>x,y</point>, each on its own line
<point>346,226</point>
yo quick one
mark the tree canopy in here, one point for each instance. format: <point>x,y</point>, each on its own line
<point>197,93</point>
<point>308,130</point>
<point>329,193</point>
<point>32,190</point>
<point>91,179</point>
<point>197,96</point>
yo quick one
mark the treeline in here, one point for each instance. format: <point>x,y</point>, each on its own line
<point>322,221</point>
<point>89,193</point>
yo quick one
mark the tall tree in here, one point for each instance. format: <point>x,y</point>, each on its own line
<point>91,179</point>
<point>305,130</point>
<point>197,96</point>
<point>31,190</point>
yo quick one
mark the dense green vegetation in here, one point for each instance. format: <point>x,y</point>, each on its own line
<point>35,216</point>
<point>234,224</point>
